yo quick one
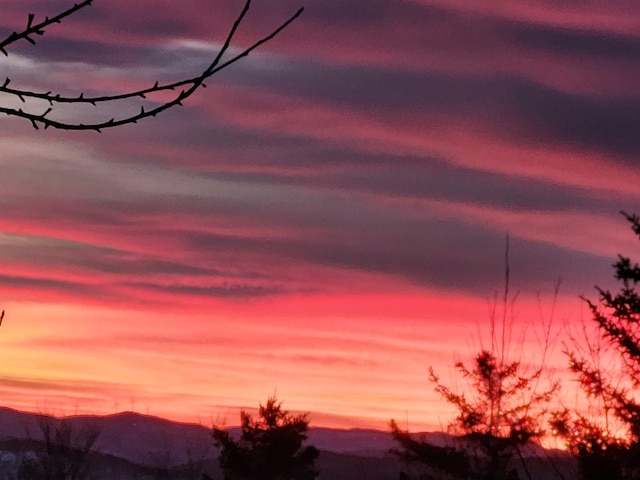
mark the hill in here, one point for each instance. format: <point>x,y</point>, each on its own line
<point>132,445</point>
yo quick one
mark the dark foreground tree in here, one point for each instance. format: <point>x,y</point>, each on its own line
<point>499,416</point>
<point>605,438</point>
<point>493,426</point>
<point>432,461</point>
<point>40,108</point>
<point>65,453</point>
<point>269,448</point>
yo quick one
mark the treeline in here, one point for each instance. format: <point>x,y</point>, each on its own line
<point>510,408</point>
<point>501,420</point>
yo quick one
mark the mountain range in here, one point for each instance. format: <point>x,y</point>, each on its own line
<point>145,442</point>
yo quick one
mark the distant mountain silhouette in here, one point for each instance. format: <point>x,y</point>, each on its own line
<point>156,442</point>
<point>146,439</point>
<point>142,439</point>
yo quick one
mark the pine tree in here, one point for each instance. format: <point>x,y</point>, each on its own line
<point>500,414</point>
<point>606,441</point>
<point>269,448</point>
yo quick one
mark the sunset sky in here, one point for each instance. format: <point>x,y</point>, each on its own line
<point>327,219</point>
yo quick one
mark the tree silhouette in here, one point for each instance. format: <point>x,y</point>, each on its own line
<point>436,460</point>
<point>606,440</point>
<point>269,448</point>
<point>65,454</point>
<point>493,425</point>
<point>500,414</point>
<point>40,107</point>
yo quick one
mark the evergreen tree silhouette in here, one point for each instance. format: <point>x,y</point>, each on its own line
<point>269,448</point>
<point>606,441</point>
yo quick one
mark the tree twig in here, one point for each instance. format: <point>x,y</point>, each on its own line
<point>186,86</point>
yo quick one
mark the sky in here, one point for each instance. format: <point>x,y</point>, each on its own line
<point>327,219</point>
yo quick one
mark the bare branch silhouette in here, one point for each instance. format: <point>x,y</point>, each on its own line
<point>38,28</point>
<point>184,88</point>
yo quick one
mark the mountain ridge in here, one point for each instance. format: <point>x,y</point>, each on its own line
<point>160,442</point>
<point>152,440</point>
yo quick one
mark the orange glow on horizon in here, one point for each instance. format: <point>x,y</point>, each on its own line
<point>352,361</point>
<point>327,220</point>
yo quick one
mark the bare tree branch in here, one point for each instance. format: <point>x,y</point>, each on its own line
<point>38,28</point>
<point>186,86</point>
